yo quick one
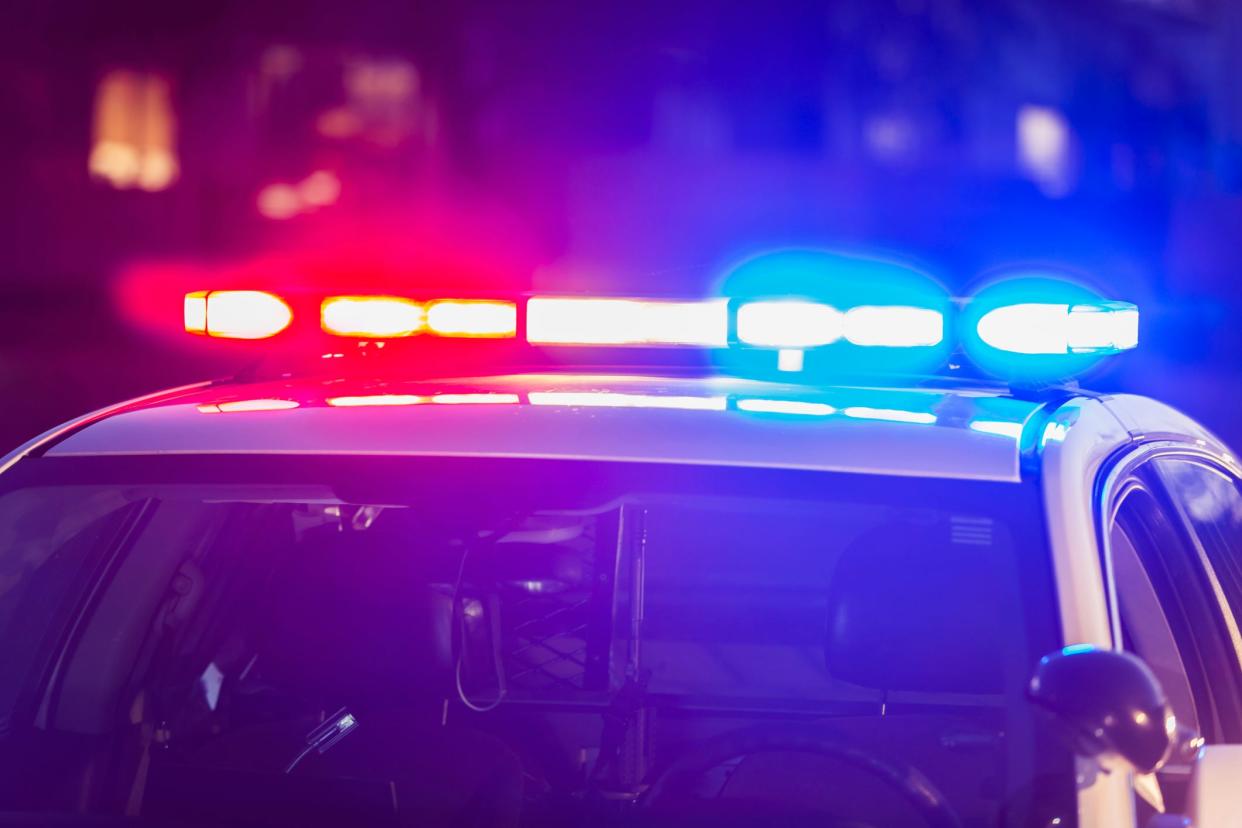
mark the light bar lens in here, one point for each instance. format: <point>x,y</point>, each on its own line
<point>571,321</point>
<point>369,400</point>
<point>785,324</point>
<point>374,317</point>
<point>789,324</point>
<point>236,314</point>
<point>1034,328</point>
<point>460,317</point>
<point>894,326</point>
<point>1104,327</point>
<point>196,312</point>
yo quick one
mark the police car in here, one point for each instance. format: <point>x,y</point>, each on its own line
<point>730,584</point>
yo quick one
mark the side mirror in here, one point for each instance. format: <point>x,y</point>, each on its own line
<point>1110,703</point>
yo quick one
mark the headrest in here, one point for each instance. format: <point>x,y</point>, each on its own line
<point>911,609</point>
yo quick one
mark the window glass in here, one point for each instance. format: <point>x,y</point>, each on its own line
<point>1169,566</point>
<point>1145,627</point>
<point>1213,507</point>
<point>49,537</point>
<point>317,636</point>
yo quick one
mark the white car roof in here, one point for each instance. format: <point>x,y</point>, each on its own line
<point>918,432</point>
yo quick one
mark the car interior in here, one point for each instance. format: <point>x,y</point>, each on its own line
<point>643,660</point>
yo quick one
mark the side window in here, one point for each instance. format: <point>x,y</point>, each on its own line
<point>1137,538</point>
<point>1212,505</point>
<point>1164,590</point>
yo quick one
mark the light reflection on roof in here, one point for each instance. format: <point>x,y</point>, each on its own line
<point>972,433</point>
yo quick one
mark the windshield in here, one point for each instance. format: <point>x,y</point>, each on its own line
<point>482,642</point>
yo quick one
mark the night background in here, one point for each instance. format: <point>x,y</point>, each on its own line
<point>150,148</point>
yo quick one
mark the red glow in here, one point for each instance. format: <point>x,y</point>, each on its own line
<point>457,317</point>
<point>374,317</point>
<point>236,314</point>
<point>449,248</point>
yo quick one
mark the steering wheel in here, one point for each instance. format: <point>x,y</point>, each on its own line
<point>916,789</point>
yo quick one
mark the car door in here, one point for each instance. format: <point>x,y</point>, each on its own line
<point>1166,600</point>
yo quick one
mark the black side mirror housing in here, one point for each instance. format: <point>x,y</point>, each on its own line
<point>1110,702</point>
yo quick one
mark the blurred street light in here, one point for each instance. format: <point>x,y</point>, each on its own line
<point>134,141</point>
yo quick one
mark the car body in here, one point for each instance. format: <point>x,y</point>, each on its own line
<point>1071,459</point>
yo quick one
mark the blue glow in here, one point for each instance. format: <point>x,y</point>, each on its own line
<point>894,326</point>
<point>1041,328</point>
<point>869,316</point>
<point>800,324</point>
<point>1038,328</point>
<point>1077,649</point>
<point>788,324</point>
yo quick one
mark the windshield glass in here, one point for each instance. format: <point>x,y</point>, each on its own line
<point>482,642</point>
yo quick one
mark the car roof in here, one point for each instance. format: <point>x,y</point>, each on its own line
<point>966,433</point>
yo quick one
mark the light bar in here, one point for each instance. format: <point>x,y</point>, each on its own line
<point>472,318</point>
<point>236,314</point>
<point>798,324</point>
<point>572,321</point>
<point>788,324</point>
<point>1032,328</point>
<point>371,317</point>
<point>894,326</point>
<point>1019,329</point>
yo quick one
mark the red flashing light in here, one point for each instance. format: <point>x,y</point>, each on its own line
<point>236,314</point>
<point>472,318</point>
<point>372,317</point>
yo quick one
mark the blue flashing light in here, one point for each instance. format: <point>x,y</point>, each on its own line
<point>894,326</point>
<point>1078,649</point>
<point>848,315</point>
<point>1038,328</point>
<point>800,324</point>
<point>789,324</point>
<point>1045,328</point>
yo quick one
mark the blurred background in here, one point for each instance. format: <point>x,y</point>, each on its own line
<point>616,146</point>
